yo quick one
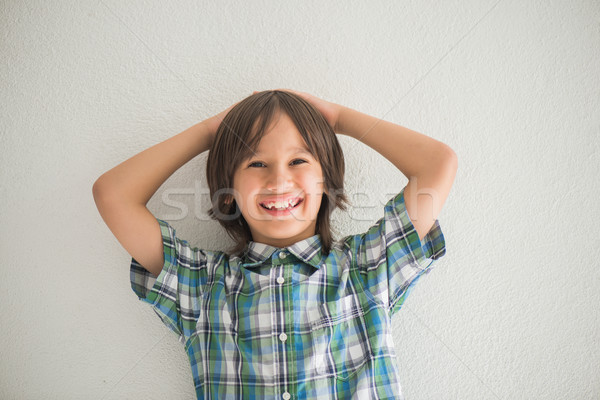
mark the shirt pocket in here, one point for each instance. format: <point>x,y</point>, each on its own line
<point>339,338</point>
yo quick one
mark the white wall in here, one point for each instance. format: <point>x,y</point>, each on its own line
<point>511,311</point>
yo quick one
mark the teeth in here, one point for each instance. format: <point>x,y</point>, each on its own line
<point>281,205</point>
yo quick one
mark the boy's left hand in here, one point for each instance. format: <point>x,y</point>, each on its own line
<point>330,111</point>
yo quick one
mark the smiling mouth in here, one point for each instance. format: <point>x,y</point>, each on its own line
<point>271,206</point>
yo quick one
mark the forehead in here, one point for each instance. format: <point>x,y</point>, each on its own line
<point>281,137</point>
<point>288,150</point>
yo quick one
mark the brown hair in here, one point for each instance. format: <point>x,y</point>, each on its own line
<point>238,137</point>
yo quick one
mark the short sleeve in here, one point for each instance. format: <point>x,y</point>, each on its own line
<point>391,257</point>
<point>175,292</point>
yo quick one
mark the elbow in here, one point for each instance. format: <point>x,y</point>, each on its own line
<point>452,159</point>
<point>449,165</point>
<point>444,155</point>
<point>444,159</point>
<point>99,190</point>
<point>96,190</point>
<point>446,164</point>
<point>440,161</point>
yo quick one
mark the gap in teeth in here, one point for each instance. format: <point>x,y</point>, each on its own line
<point>279,205</point>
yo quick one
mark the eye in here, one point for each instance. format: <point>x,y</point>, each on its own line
<point>260,162</point>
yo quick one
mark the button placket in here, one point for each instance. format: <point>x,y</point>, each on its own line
<point>288,342</point>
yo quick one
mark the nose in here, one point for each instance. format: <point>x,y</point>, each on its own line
<point>279,180</point>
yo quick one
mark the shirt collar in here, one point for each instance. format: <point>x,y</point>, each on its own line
<point>307,250</point>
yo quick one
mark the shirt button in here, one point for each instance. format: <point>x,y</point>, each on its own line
<point>282,254</point>
<point>283,337</point>
<point>280,280</point>
<point>286,396</point>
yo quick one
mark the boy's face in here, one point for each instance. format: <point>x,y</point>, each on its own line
<point>280,171</point>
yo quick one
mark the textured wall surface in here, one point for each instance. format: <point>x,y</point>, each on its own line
<point>511,311</point>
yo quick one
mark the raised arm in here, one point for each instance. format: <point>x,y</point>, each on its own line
<point>429,165</point>
<point>121,194</point>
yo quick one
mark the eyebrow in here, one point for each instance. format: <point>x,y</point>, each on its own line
<point>295,150</point>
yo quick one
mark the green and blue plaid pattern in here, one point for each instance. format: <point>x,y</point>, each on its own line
<point>292,323</point>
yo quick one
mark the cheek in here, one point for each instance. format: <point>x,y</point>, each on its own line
<point>244,192</point>
<point>315,191</point>
<point>315,183</point>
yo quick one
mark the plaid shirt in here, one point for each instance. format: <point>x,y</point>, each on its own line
<point>292,323</point>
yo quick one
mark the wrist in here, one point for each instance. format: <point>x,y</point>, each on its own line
<point>209,126</point>
<point>205,132</point>
<point>338,113</point>
<point>341,125</point>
